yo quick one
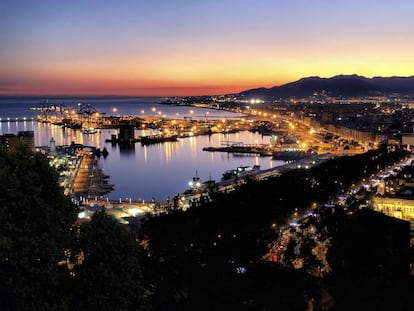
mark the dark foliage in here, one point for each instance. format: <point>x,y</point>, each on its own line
<point>36,222</point>
<point>109,278</point>
<point>38,232</point>
<point>222,238</point>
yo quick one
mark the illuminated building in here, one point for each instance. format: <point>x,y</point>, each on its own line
<point>395,207</point>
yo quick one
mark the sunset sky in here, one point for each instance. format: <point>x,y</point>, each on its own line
<point>191,47</point>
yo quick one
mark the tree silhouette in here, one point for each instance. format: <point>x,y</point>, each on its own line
<point>36,221</point>
<point>109,277</point>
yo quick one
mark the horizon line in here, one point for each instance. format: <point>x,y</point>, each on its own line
<point>60,95</point>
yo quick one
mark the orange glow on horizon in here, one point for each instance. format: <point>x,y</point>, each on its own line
<point>96,79</point>
<point>107,86</point>
<point>202,71</point>
<point>202,48</point>
<point>178,76</point>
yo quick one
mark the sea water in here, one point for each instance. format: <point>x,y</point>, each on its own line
<point>155,172</point>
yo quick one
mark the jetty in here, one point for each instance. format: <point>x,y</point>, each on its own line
<point>241,148</point>
<point>18,119</point>
<point>89,179</point>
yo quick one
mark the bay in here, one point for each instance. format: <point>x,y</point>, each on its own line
<point>154,172</point>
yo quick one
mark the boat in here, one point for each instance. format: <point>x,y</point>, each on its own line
<point>89,130</point>
<point>105,153</point>
<point>71,123</point>
<point>156,139</point>
<point>196,185</point>
<point>239,149</point>
<point>99,152</point>
<point>240,172</point>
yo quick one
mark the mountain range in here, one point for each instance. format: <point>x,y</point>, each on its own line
<point>341,85</point>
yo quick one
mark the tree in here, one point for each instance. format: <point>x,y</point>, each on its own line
<point>109,277</point>
<point>36,223</point>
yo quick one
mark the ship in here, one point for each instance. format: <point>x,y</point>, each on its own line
<point>240,172</point>
<point>156,139</point>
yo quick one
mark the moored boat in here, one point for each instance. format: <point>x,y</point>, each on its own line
<point>240,172</point>
<point>156,139</point>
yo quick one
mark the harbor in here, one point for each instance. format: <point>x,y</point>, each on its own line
<point>129,211</point>
<point>89,186</point>
<point>155,149</point>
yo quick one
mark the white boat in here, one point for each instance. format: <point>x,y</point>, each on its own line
<point>240,172</point>
<point>90,130</point>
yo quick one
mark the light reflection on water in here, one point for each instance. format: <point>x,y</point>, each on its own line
<point>155,171</point>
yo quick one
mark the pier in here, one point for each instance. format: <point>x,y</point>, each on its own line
<point>19,119</point>
<point>89,180</point>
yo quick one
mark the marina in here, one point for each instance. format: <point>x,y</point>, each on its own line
<point>227,147</point>
<point>145,172</point>
<point>130,211</point>
<point>230,150</point>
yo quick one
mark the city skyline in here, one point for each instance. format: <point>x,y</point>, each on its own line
<point>198,48</point>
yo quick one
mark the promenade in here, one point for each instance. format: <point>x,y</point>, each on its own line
<point>89,180</point>
<point>82,179</point>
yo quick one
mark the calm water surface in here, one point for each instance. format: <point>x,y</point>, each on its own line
<point>141,172</point>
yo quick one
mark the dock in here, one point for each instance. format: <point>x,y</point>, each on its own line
<point>240,148</point>
<point>20,119</point>
<point>89,179</point>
